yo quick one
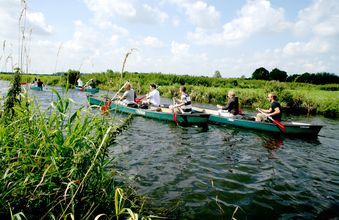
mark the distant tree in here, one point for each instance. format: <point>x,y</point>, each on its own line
<point>72,76</point>
<point>261,73</point>
<point>292,78</point>
<point>325,78</point>
<point>278,75</point>
<point>318,78</point>
<point>305,78</point>
<point>217,74</point>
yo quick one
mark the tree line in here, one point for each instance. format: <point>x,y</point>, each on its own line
<point>280,75</point>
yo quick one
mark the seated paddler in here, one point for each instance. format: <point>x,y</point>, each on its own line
<point>184,104</point>
<point>128,97</point>
<point>231,108</point>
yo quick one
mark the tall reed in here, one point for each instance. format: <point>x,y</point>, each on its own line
<point>54,166</point>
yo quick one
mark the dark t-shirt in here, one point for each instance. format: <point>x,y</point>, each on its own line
<point>232,106</point>
<point>275,105</point>
<point>39,83</point>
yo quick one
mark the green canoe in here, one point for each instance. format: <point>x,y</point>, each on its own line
<point>292,128</point>
<point>161,113</point>
<point>36,88</point>
<point>90,90</point>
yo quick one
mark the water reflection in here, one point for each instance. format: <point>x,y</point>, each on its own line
<point>273,144</point>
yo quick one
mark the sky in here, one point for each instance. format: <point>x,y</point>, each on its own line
<point>234,37</point>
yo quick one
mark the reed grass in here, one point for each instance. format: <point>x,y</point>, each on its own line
<point>54,164</point>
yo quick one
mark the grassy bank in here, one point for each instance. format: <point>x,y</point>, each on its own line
<point>296,98</point>
<point>54,163</point>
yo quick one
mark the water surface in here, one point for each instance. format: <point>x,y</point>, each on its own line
<point>206,174</point>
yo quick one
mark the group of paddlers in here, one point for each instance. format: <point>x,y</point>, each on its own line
<point>184,104</point>
<point>37,82</point>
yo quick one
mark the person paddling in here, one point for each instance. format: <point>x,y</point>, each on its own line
<point>184,104</point>
<point>80,83</point>
<point>128,97</point>
<point>274,111</point>
<point>153,97</point>
<point>39,83</point>
<point>232,107</point>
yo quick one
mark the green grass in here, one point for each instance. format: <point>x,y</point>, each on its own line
<point>54,164</point>
<point>297,98</point>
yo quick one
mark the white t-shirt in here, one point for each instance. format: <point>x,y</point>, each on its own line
<point>80,83</point>
<point>187,100</point>
<point>154,97</point>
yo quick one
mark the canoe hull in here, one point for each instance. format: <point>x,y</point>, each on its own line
<point>36,88</point>
<point>90,90</point>
<point>292,128</point>
<point>200,119</point>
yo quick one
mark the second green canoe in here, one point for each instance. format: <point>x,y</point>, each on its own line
<point>164,114</point>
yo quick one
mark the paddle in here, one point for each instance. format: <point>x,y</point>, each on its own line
<point>109,102</point>
<point>277,123</point>
<point>174,113</point>
<point>139,99</point>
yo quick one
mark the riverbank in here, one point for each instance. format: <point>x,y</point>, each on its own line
<point>295,98</point>
<point>54,162</point>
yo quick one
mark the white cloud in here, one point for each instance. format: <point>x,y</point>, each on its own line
<point>9,15</point>
<point>38,23</point>
<point>153,42</point>
<point>254,17</point>
<point>321,18</point>
<point>106,10</point>
<point>199,13</point>
<point>175,22</point>
<point>302,48</point>
<point>202,15</point>
<point>179,49</point>
<point>153,13</point>
<point>109,8</point>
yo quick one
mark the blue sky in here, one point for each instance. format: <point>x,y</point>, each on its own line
<point>190,37</point>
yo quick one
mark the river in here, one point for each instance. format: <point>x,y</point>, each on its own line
<point>206,174</point>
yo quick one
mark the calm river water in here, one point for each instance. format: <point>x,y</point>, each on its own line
<point>207,174</point>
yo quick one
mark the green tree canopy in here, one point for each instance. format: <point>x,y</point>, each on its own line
<point>72,76</point>
<point>261,73</point>
<point>278,75</point>
<point>217,74</point>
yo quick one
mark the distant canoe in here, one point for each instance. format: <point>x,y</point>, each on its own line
<point>90,90</point>
<point>292,128</point>
<point>36,88</point>
<point>164,114</point>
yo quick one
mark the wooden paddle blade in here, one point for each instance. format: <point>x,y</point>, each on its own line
<point>281,126</point>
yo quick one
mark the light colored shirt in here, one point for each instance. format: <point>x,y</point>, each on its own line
<point>154,97</point>
<point>129,96</point>
<point>80,83</point>
<point>187,101</point>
